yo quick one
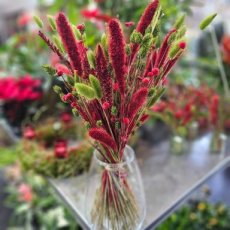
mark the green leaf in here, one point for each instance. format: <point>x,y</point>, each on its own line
<point>38,21</point>
<point>207,21</point>
<point>85,91</point>
<point>96,86</point>
<point>49,69</point>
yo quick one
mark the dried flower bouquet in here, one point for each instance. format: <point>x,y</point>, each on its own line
<point>111,88</point>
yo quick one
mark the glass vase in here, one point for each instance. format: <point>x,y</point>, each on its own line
<point>115,197</point>
<point>177,145</point>
<point>193,130</point>
<point>218,143</point>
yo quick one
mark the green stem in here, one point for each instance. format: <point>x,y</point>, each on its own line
<point>220,63</point>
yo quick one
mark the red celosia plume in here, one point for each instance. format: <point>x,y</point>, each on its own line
<point>103,74</point>
<point>137,101</point>
<point>147,16</point>
<point>99,134</point>
<point>69,41</point>
<point>117,52</point>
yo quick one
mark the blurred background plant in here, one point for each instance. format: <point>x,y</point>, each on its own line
<point>198,213</point>
<point>29,198</point>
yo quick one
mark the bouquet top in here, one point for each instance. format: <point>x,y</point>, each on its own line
<point>112,87</point>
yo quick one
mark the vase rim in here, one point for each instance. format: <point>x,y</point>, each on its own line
<point>128,151</point>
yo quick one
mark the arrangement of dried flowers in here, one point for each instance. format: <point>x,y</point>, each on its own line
<point>47,151</point>
<point>111,89</point>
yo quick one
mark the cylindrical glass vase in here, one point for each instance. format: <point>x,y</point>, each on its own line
<point>177,145</point>
<point>115,197</point>
<point>218,143</point>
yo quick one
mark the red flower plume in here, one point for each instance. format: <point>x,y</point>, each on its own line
<point>147,16</point>
<point>117,52</point>
<point>99,134</point>
<point>69,41</point>
<point>103,75</point>
<point>137,101</point>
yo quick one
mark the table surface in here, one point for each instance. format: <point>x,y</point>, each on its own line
<point>167,178</point>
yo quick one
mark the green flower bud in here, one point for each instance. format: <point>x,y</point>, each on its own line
<point>91,58</point>
<point>174,51</point>
<point>136,37</point>
<point>155,97</point>
<point>52,22</point>
<point>104,41</point>
<point>117,125</point>
<point>76,32</point>
<point>179,22</point>
<point>128,49</point>
<point>57,89</point>
<point>58,43</point>
<point>87,125</point>
<point>114,110</point>
<point>207,21</point>
<point>99,123</point>
<point>181,32</point>
<point>38,21</point>
<point>75,112</point>
<point>50,70</point>
<point>96,86</point>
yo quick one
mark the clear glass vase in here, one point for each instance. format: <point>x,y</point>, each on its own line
<point>177,145</point>
<point>218,143</point>
<point>115,197</point>
<point>193,130</point>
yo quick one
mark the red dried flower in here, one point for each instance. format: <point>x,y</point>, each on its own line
<point>155,71</point>
<point>145,81</point>
<point>115,87</point>
<point>182,45</point>
<point>117,52</point>
<point>103,74</point>
<point>99,134</point>
<point>126,120</point>
<point>69,41</point>
<point>106,105</point>
<point>81,27</point>
<point>137,101</point>
<point>147,16</point>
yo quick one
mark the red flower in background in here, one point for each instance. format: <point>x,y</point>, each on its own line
<point>226,48</point>
<point>25,193</point>
<point>95,14</point>
<point>22,89</point>
<point>24,19</point>
<point>60,149</point>
<point>66,117</point>
<point>214,109</point>
<point>29,133</point>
